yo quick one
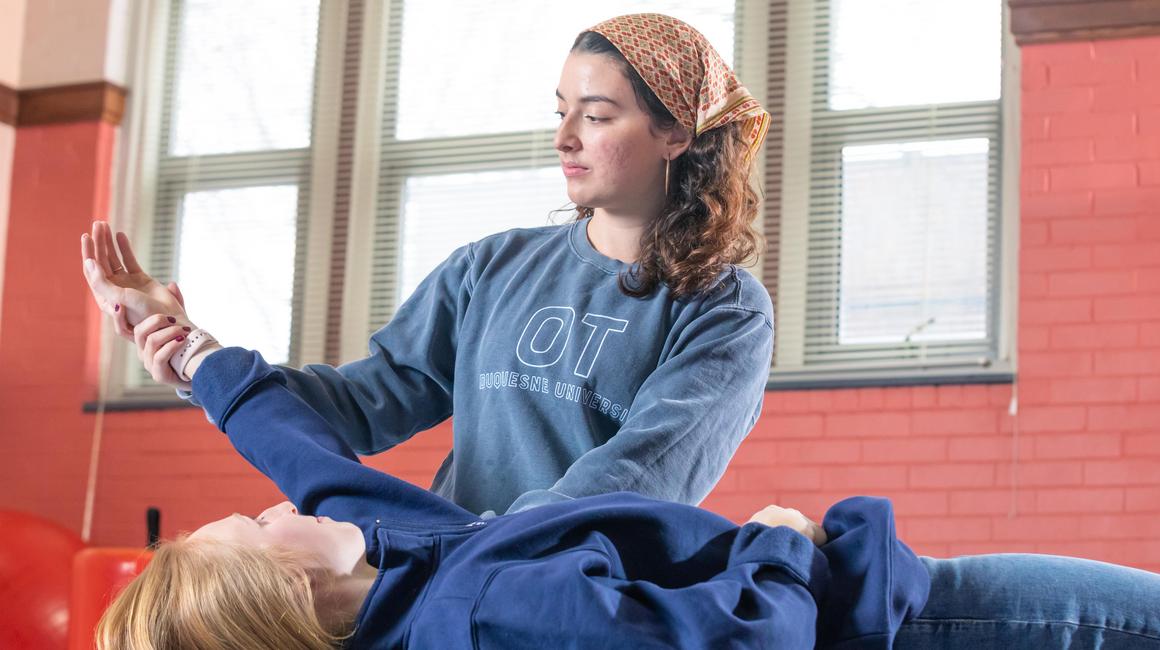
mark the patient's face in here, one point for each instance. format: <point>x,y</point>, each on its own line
<point>338,545</point>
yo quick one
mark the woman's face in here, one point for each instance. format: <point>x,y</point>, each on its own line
<point>338,545</point>
<point>605,131</point>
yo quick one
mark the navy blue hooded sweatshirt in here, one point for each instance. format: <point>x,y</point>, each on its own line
<point>612,571</point>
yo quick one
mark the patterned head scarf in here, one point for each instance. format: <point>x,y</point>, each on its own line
<point>687,75</point>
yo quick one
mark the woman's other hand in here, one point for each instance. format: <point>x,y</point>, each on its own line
<point>777,516</point>
<point>121,288</point>
<point>158,338</point>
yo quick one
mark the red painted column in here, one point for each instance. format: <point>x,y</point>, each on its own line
<point>60,182</point>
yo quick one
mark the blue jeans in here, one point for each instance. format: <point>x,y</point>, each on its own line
<point>1025,600</point>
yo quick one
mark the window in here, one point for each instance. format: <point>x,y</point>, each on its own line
<point>231,150</point>
<point>887,235</point>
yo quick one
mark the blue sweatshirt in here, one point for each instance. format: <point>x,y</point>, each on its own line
<point>561,385</point>
<point>611,571</point>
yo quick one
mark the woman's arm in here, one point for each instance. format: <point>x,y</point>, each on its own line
<point>687,419</point>
<point>290,443</point>
<point>406,384</point>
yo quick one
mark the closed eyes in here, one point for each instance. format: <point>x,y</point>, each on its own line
<point>256,520</point>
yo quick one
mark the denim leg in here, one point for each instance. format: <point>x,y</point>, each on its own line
<point>1027,600</point>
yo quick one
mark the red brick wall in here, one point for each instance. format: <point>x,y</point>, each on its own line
<point>1085,480</point>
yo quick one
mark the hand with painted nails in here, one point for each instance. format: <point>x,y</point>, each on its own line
<point>121,288</point>
<point>158,337</point>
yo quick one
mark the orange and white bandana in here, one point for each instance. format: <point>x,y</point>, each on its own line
<point>689,77</point>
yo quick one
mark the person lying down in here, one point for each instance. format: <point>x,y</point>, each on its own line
<point>358,558</point>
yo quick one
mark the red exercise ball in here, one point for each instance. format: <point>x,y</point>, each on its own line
<point>99,574</point>
<point>36,559</point>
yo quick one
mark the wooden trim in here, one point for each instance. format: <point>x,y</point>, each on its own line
<point>332,349</point>
<point>894,381</point>
<point>1054,21</point>
<point>87,102</point>
<point>8,103</point>
<point>774,145</point>
<point>166,402</point>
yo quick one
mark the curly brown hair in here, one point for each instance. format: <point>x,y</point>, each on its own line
<point>706,222</point>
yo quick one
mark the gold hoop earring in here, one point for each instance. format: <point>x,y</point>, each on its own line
<point>666,176</point>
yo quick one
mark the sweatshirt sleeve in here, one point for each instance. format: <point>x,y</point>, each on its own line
<point>765,596</point>
<point>687,419</point>
<point>877,582</point>
<point>289,442</point>
<point>405,385</point>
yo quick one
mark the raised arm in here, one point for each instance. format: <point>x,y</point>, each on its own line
<point>687,419</point>
<point>301,452</point>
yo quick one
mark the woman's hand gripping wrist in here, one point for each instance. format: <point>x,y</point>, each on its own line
<point>172,349</point>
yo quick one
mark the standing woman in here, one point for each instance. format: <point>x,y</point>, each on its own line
<point>624,350</point>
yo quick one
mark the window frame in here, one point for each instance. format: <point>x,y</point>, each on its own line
<point>139,181</point>
<point>790,294</point>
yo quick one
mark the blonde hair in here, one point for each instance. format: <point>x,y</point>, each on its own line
<point>213,595</point>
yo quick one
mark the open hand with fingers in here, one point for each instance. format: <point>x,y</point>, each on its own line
<point>144,312</point>
<point>121,288</point>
